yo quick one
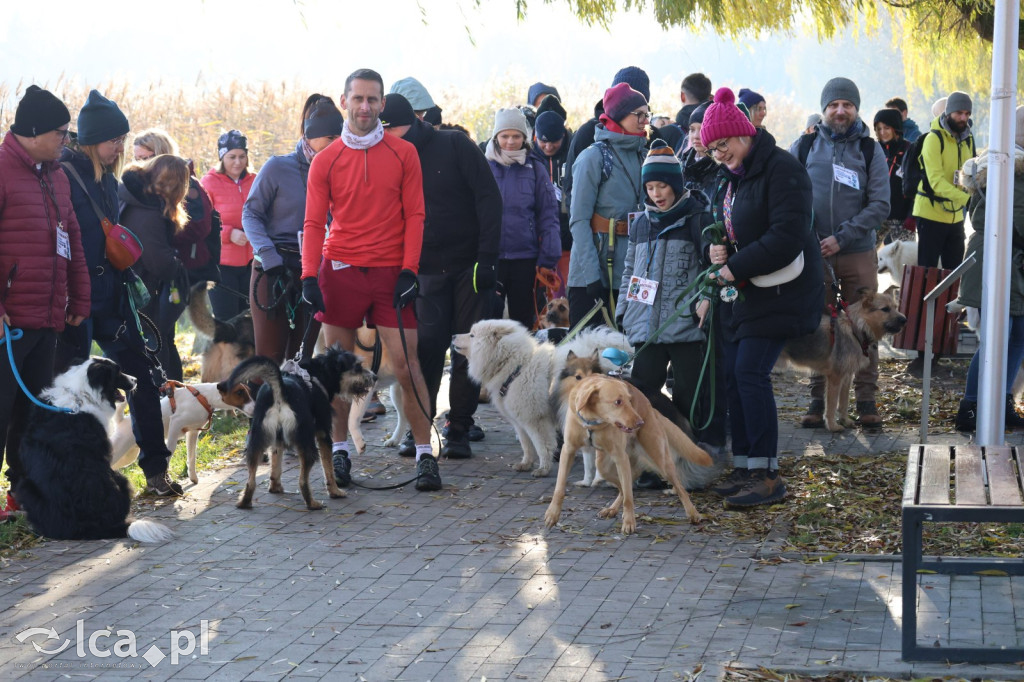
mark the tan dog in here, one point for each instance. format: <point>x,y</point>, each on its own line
<point>629,436</point>
<point>556,314</point>
<point>840,347</point>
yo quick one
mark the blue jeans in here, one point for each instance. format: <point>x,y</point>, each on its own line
<point>1014,356</point>
<point>752,413</point>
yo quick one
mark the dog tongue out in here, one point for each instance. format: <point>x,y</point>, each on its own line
<point>119,397</point>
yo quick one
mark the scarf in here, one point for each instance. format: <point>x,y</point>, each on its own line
<point>353,141</point>
<point>307,151</point>
<point>498,155</point>
<point>614,127</point>
<point>671,215</point>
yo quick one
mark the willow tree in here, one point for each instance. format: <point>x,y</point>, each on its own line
<point>946,44</point>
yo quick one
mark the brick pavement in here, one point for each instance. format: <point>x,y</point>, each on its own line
<point>463,584</point>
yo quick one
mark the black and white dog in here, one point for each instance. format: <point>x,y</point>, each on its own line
<point>68,489</point>
<point>293,412</point>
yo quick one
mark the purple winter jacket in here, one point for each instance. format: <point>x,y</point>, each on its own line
<point>529,219</point>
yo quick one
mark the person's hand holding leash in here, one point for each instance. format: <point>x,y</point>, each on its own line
<point>829,246</point>
<point>719,253</point>
<point>485,276</point>
<point>406,288</point>
<point>312,295</point>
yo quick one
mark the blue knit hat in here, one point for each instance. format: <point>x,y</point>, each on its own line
<point>662,165</point>
<point>636,78</point>
<point>538,89</point>
<point>549,127</point>
<point>100,120</point>
<point>749,98</point>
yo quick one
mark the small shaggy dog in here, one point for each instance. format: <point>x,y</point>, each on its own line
<point>68,489</point>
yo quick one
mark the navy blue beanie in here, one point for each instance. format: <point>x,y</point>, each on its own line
<point>662,165</point>
<point>549,127</point>
<point>100,120</point>
<point>538,89</point>
<point>749,98</point>
<point>636,78</point>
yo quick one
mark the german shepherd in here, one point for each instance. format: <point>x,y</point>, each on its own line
<point>840,347</point>
<point>578,368</point>
<point>293,412</point>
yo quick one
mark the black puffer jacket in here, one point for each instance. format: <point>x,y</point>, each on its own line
<point>900,207</point>
<point>771,216</point>
<point>463,203</point>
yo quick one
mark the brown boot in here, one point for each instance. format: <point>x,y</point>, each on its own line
<point>815,417</point>
<point>869,417</point>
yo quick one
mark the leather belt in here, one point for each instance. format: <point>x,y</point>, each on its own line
<point>599,225</point>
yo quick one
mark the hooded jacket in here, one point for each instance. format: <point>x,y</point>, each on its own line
<point>529,218</point>
<point>940,160</point>
<point>38,287</point>
<point>911,131</point>
<point>273,213</point>
<point>667,247</point>
<point>142,213</point>
<point>462,201</point>
<point>228,198</point>
<point>771,216</point>
<point>975,182</point>
<point>615,198</point>
<point>851,215</point>
<point>895,149</point>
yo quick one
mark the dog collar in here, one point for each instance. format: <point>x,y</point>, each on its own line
<point>503,391</point>
<point>588,422</point>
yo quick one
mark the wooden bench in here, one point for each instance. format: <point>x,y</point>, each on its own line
<point>965,484</point>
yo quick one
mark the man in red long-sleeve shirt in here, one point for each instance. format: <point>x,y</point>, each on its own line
<point>365,266</point>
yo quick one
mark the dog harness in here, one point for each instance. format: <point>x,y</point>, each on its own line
<point>834,311</point>
<point>589,425</point>
<point>503,391</point>
<point>168,389</point>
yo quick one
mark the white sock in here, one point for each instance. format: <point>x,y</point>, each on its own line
<point>340,446</point>
<point>423,449</point>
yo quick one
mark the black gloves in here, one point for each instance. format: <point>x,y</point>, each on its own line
<point>312,296</point>
<point>276,272</point>
<point>406,289</point>
<point>485,277</point>
<point>596,290</point>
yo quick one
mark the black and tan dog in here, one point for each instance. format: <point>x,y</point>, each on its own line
<point>841,346</point>
<point>293,412</point>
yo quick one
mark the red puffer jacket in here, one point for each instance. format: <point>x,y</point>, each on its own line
<point>38,287</point>
<point>228,197</point>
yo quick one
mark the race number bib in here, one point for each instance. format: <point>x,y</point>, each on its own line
<point>845,176</point>
<point>63,243</point>
<point>642,290</point>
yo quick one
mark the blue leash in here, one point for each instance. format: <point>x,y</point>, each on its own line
<point>11,335</point>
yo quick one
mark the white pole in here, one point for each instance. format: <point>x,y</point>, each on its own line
<point>995,302</point>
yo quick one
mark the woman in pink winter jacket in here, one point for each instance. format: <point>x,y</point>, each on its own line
<point>228,185</point>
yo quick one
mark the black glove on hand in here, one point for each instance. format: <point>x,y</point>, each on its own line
<point>485,277</point>
<point>276,272</point>
<point>406,289</point>
<point>312,296</point>
<point>596,290</point>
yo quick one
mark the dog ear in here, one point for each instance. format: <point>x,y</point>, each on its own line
<point>586,393</point>
<point>570,356</point>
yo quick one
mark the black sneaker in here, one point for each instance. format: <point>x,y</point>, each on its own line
<point>760,489</point>
<point>429,475</point>
<point>732,483</point>
<point>342,468</point>
<point>456,446</point>
<point>407,448</point>
<point>966,416</point>
<point>475,433</point>
<point>161,485</point>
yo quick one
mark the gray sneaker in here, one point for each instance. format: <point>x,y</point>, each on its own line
<point>429,475</point>
<point>161,485</point>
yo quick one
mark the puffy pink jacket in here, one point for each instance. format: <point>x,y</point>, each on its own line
<point>38,287</point>
<point>228,197</point>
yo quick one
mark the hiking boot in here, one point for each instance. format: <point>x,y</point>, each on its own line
<point>1013,420</point>
<point>456,446</point>
<point>161,485</point>
<point>760,489</point>
<point>967,416</point>
<point>815,417</point>
<point>869,417</point>
<point>475,433</point>
<point>342,468</point>
<point>649,480</point>
<point>429,475</point>
<point>733,483</point>
<point>407,448</point>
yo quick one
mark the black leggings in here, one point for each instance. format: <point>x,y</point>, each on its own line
<point>516,277</point>
<point>33,358</point>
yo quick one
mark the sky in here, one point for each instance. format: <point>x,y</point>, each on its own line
<point>443,43</point>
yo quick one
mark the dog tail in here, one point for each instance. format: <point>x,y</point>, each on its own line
<point>201,315</point>
<point>261,368</point>
<point>595,339</point>
<point>145,530</point>
<point>696,467</point>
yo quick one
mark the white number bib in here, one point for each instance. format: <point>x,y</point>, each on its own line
<point>642,290</point>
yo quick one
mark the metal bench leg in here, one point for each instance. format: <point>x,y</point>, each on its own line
<point>912,532</point>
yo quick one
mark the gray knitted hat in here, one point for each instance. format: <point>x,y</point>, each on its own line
<point>510,119</point>
<point>840,88</point>
<point>958,101</point>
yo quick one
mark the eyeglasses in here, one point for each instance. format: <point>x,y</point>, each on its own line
<point>641,115</point>
<point>721,146</point>
<point>118,140</point>
<point>64,134</point>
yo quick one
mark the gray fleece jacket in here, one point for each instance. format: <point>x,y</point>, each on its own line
<point>851,215</point>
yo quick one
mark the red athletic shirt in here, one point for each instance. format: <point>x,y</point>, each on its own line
<point>375,199</point>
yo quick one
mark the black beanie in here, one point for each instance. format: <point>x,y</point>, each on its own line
<point>891,118</point>
<point>39,111</point>
<point>698,114</point>
<point>433,115</point>
<point>323,120</point>
<point>100,120</point>
<point>233,139</point>
<point>397,112</point>
<point>551,103</point>
<point>549,127</point>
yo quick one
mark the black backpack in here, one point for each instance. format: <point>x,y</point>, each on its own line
<point>915,180</point>
<point>867,149</point>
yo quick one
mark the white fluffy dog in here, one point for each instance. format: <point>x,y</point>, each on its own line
<point>519,372</point>
<point>895,256</point>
